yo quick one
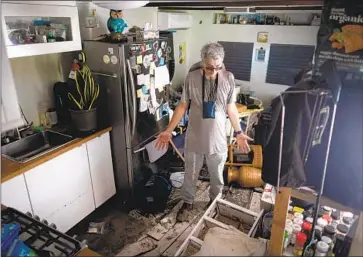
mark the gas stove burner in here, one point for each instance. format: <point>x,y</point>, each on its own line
<point>43,239</point>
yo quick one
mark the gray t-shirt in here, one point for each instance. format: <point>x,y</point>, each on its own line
<point>207,136</point>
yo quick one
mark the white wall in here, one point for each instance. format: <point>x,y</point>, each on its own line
<point>34,77</point>
<point>201,34</point>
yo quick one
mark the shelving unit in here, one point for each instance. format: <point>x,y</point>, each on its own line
<point>67,15</point>
<point>277,18</point>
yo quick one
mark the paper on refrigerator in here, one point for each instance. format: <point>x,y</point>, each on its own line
<point>162,77</point>
<point>141,79</point>
<point>154,103</point>
<point>147,81</point>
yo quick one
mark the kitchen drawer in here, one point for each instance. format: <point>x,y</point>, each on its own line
<point>60,190</point>
<point>15,194</point>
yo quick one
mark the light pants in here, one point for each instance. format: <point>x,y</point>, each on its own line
<point>193,165</point>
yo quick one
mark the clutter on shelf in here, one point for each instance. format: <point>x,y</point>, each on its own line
<point>40,30</point>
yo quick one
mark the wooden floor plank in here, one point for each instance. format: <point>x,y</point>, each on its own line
<point>172,235</point>
<point>179,241</point>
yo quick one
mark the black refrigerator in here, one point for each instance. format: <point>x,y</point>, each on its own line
<point>129,72</point>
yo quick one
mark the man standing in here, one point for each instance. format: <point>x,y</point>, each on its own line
<point>209,90</point>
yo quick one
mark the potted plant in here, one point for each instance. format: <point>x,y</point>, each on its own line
<point>83,100</point>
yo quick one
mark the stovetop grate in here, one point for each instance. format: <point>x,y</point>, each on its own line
<point>44,240</point>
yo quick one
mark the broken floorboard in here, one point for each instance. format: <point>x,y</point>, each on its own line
<point>172,235</point>
<point>157,232</point>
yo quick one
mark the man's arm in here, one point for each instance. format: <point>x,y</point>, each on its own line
<point>177,116</point>
<point>233,116</point>
<point>165,136</point>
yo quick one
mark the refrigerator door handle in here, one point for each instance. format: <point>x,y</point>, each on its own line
<point>133,92</point>
<point>104,74</point>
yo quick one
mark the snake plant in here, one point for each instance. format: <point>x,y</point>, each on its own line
<point>87,91</point>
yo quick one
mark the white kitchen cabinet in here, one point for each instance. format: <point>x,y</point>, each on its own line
<point>100,162</point>
<point>15,194</point>
<point>17,16</point>
<point>10,111</point>
<point>60,190</point>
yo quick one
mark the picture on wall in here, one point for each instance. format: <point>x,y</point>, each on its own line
<point>182,52</point>
<point>260,54</point>
<point>262,37</point>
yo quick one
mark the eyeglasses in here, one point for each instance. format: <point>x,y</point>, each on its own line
<point>210,68</point>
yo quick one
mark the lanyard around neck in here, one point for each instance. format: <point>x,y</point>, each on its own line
<point>203,86</point>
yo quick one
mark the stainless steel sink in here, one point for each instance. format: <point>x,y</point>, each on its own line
<point>31,147</point>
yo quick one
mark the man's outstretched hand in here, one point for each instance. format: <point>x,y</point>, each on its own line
<point>242,142</point>
<point>163,140</point>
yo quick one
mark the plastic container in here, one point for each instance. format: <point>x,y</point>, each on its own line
<point>322,249</point>
<point>321,213</point>
<point>339,240</point>
<point>299,244</point>
<point>318,232</point>
<point>342,229</point>
<point>298,221</point>
<point>295,229</point>
<point>42,109</point>
<point>289,223</point>
<point>348,214</point>
<point>322,222</point>
<point>307,227</point>
<point>335,215</point>
<point>334,223</point>
<point>347,221</point>
<point>297,210</point>
<point>287,237</point>
<point>327,218</point>
<point>329,231</point>
<point>298,215</point>
<point>290,216</point>
<point>309,219</point>
<point>84,120</point>
<point>327,210</point>
<point>327,240</point>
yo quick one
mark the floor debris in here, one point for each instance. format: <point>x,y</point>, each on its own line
<point>133,233</point>
<point>97,228</point>
<point>239,196</point>
<point>138,248</point>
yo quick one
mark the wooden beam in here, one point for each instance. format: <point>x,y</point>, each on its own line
<point>211,223</point>
<point>279,220</point>
<point>253,229</point>
<point>206,214</point>
<point>196,241</point>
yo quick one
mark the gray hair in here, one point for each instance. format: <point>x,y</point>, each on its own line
<point>213,50</point>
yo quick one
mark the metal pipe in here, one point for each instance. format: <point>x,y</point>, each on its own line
<point>281,141</point>
<point>104,74</point>
<point>325,168</point>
